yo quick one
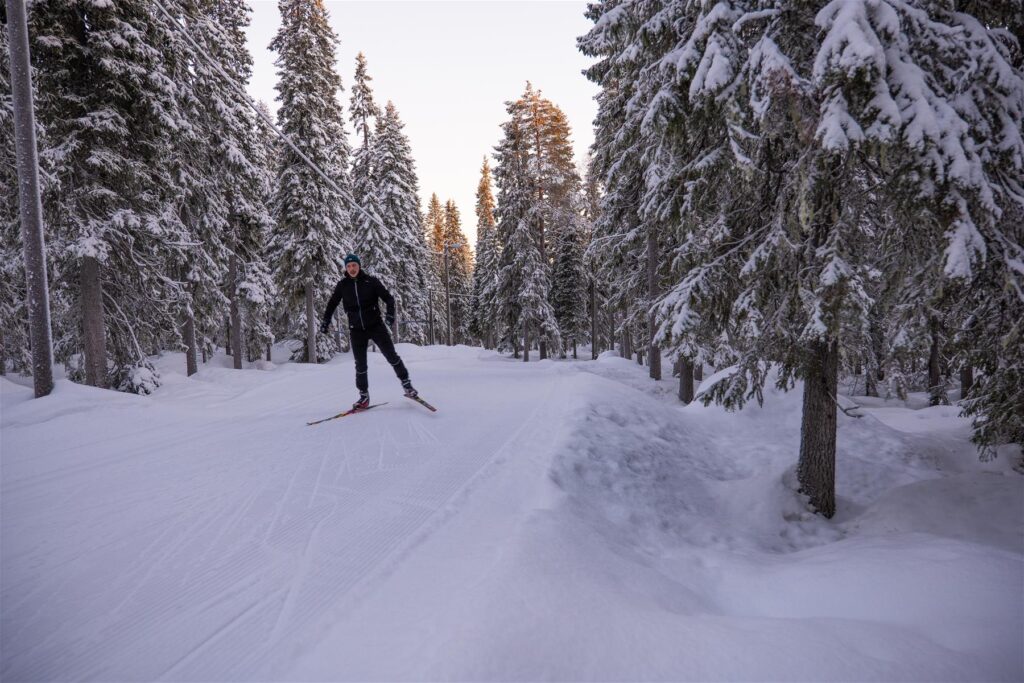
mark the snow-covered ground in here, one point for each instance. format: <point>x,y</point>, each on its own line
<point>555,520</point>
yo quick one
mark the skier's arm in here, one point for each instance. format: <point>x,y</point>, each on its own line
<point>332,304</point>
<point>389,301</point>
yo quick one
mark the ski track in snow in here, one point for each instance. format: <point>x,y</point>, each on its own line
<point>213,545</point>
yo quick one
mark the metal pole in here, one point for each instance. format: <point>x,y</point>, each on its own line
<point>31,208</point>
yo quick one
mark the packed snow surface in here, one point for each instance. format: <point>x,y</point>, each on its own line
<point>555,520</point>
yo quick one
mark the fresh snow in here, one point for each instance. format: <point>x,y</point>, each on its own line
<point>555,520</point>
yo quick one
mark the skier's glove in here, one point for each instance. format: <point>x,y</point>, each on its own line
<point>324,327</point>
<point>390,320</point>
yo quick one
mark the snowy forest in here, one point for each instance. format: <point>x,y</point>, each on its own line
<point>819,204</point>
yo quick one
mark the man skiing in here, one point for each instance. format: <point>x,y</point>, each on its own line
<point>359,292</point>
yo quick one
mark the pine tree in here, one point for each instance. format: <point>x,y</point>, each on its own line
<point>14,345</point>
<point>433,223</point>
<point>105,92</point>
<point>458,273</point>
<point>398,189</point>
<point>312,223</point>
<point>375,245</point>
<point>569,286</point>
<point>787,154</point>
<point>484,315</point>
<point>523,284</point>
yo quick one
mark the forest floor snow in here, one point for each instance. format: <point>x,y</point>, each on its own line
<point>555,520</point>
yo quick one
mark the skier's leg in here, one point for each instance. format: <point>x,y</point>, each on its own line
<point>359,344</point>
<point>383,341</point>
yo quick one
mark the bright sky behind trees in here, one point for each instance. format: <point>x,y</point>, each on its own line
<point>449,67</point>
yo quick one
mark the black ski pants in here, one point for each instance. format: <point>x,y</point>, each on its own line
<point>378,334</point>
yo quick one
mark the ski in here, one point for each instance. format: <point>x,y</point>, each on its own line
<point>423,403</point>
<point>350,411</point>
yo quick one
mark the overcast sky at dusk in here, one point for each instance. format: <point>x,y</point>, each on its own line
<point>449,67</point>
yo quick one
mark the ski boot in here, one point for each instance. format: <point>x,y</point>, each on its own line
<point>409,391</point>
<point>364,401</point>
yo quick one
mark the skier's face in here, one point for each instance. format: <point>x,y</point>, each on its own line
<point>352,269</point>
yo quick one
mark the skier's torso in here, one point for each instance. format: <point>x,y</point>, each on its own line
<point>359,297</point>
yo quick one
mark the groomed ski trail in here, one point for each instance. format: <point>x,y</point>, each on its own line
<point>222,546</point>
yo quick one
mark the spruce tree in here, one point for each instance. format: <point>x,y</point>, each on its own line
<point>459,273</point>
<point>105,90</point>
<point>485,273</point>
<point>398,189</point>
<point>374,244</point>
<point>787,154</point>
<point>433,223</point>
<point>523,286</point>
<point>312,223</point>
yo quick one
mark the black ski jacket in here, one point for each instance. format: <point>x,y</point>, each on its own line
<point>359,296</point>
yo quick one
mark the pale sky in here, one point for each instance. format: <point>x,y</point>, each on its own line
<point>449,67</point>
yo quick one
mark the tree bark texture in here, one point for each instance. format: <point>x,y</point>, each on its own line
<point>816,470</point>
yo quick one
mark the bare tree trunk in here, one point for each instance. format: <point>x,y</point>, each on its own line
<point>816,470</point>
<point>189,332</point>
<point>870,377</point>
<point>574,356</point>
<point>93,324</point>
<point>236,314</point>
<point>653,291</point>
<point>30,206</point>
<point>526,342</point>
<point>594,350</point>
<point>270,326</point>
<point>3,355</point>
<point>698,372</point>
<point>310,317</point>
<point>685,380</point>
<point>936,388</point>
<point>966,379</point>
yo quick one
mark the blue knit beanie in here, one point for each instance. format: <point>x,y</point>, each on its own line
<point>352,258</point>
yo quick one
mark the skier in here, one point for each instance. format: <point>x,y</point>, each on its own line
<point>359,292</point>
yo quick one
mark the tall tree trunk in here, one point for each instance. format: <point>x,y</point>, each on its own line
<point>685,381</point>
<point>3,354</point>
<point>870,383</point>
<point>936,388</point>
<point>698,372</point>
<point>526,341</point>
<point>653,291</point>
<point>816,470</point>
<point>270,326</point>
<point>966,379</point>
<point>236,314</point>
<point>93,323</point>
<point>189,332</point>
<point>574,356</point>
<point>594,344</point>
<point>310,317</point>
<point>227,334</point>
